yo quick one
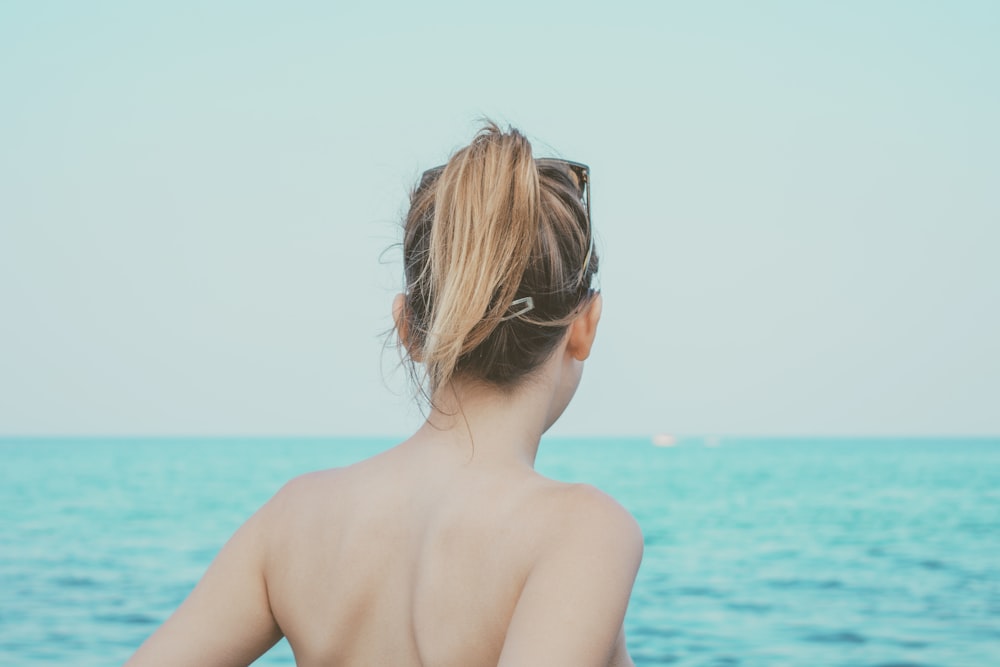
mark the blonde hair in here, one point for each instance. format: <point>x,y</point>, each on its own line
<point>491,227</point>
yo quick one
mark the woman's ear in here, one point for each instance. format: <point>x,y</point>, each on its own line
<point>402,321</point>
<point>399,318</point>
<point>584,328</point>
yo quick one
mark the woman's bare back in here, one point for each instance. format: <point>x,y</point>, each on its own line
<point>413,557</point>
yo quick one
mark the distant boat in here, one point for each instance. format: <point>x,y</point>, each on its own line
<point>713,441</point>
<point>664,440</point>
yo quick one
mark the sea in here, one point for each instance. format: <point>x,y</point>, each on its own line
<point>759,552</point>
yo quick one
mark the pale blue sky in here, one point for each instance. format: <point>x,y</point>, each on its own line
<point>797,206</point>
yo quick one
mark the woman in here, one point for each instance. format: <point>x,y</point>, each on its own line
<point>448,549</point>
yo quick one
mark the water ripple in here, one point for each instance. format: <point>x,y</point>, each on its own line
<point>843,637</point>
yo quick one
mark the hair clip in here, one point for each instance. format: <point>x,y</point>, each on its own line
<point>528,302</point>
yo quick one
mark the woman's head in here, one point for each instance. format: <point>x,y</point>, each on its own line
<point>499,259</point>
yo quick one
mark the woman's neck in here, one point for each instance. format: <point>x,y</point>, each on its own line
<point>489,426</point>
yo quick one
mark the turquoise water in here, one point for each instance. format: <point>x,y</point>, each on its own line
<point>758,553</point>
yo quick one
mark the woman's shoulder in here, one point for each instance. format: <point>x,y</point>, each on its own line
<point>585,516</point>
<point>318,493</point>
<point>301,497</point>
<point>305,486</point>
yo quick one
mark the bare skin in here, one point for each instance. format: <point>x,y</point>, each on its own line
<point>448,549</point>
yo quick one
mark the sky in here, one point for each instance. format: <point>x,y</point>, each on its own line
<point>797,208</point>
